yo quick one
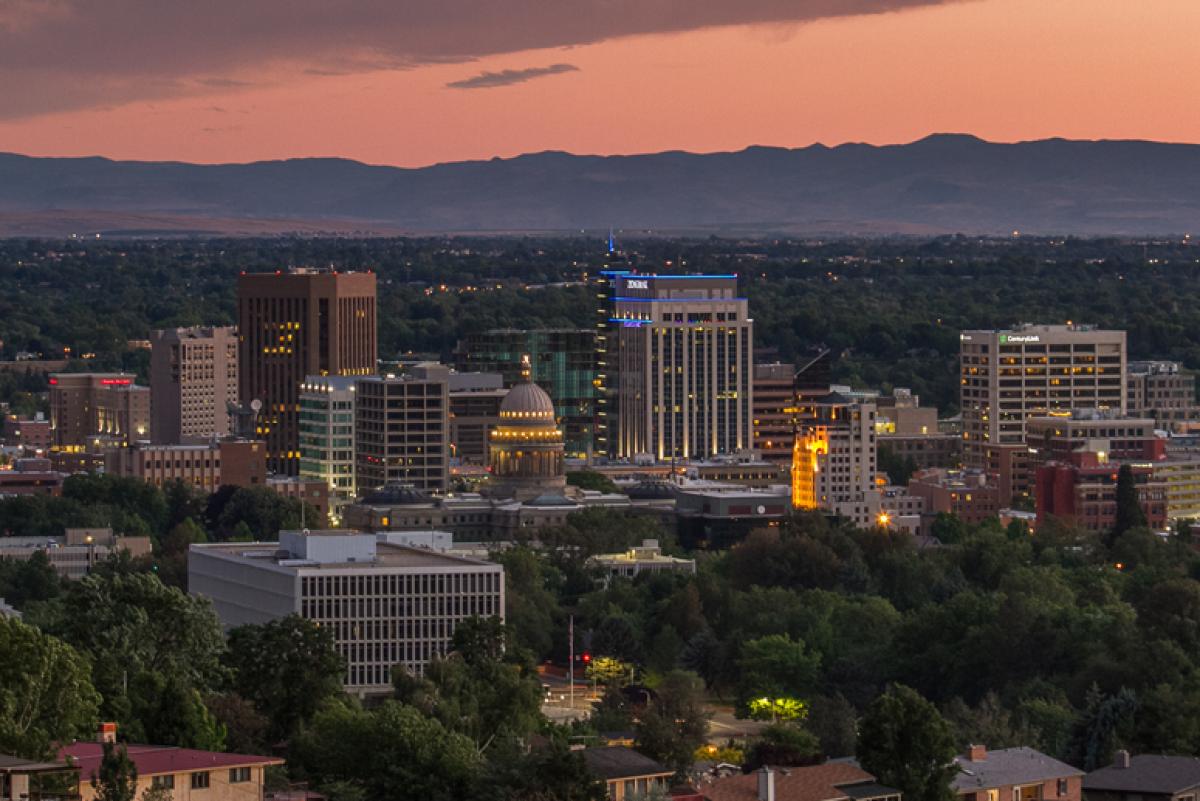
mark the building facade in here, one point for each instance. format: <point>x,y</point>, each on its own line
<point>327,436</point>
<point>683,365</point>
<point>774,395</point>
<point>385,604</point>
<point>562,362</point>
<point>1009,376</point>
<point>1162,391</point>
<point>295,324</point>
<point>86,408</point>
<point>834,458</point>
<point>402,430</point>
<point>1014,774</point>
<point>238,463</point>
<point>31,433</point>
<point>193,379</point>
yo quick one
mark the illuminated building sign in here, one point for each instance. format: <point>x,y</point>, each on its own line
<point>1015,338</point>
<point>116,382</point>
<point>636,283</point>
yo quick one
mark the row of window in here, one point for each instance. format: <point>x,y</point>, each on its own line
<point>200,780</point>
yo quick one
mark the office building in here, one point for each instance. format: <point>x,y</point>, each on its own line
<point>684,367</point>
<point>715,517</point>
<point>74,553</point>
<point>1011,375</point>
<point>33,434</point>
<point>1162,391</point>
<point>327,436</point>
<point>562,362</point>
<point>207,467</point>
<point>32,475</point>
<point>1083,490</point>
<point>911,432</point>
<point>91,408</point>
<point>193,379</point>
<point>474,414</point>
<point>969,494</point>
<point>774,393</point>
<point>402,429</point>
<point>384,604</point>
<point>834,458</point>
<point>1115,437</point>
<point>295,324</point>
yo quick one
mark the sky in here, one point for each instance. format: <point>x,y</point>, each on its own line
<point>411,83</point>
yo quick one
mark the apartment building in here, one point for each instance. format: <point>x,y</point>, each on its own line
<point>193,379</point>
<point>402,429</point>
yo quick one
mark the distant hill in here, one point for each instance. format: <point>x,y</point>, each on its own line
<point>943,183</point>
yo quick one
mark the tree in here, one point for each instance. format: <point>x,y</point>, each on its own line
<point>156,792</point>
<point>907,744</point>
<point>29,580</point>
<point>166,710</point>
<point>245,727</point>
<point>783,744</point>
<point>775,668</point>
<point>675,723</point>
<point>287,668</point>
<point>116,777</point>
<point>46,694</point>
<point>948,528</point>
<point>1096,733</point>
<point>1129,507</point>
<point>835,723</point>
<point>391,751</point>
<point>551,772</point>
<point>590,480</point>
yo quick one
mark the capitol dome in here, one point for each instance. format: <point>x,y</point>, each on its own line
<point>526,404</point>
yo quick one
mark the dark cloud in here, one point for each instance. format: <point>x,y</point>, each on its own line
<point>490,80</point>
<point>63,54</point>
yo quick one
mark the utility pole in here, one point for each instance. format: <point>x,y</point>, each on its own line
<point>571,665</point>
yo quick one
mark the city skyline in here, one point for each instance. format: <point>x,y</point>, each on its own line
<point>409,85</point>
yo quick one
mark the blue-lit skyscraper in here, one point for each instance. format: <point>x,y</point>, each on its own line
<point>680,348</point>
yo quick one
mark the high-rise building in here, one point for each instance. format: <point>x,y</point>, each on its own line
<point>834,458</point>
<point>684,366</point>
<point>193,379</point>
<point>774,396</point>
<point>402,429</point>
<point>384,604</point>
<point>91,408</point>
<point>1008,376</point>
<point>1163,391</point>
<point>327,436</point>
<point>563,363</point>
<point>604,425</point>
<point>293,324</point>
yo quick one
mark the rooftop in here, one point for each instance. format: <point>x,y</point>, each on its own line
<point>387,555</point>
<point>156,760</point>
<point>1147,773</point>
<point>619,762</point>
<point>1008,766</point>
<point>831,781</point>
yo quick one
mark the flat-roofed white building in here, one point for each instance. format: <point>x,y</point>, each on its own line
<point>386,604</point>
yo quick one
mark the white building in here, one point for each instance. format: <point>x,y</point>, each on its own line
<point>327,437</point>
<point>645,558</point>
<point>385,604</point>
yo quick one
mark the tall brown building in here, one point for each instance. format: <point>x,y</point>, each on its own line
<point>193,378</point>
<point>86,408</point>
<point>293,324</point>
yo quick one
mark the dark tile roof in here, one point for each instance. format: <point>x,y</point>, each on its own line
<point>828,782</point>
<point>1147,773</point>
<point>619,762</point>
<point>1006,766</point>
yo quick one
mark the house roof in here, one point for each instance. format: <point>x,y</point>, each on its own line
<point>831,781</point>
<point>1147,773</point>
<point>16,764</point>
<point>619,762</point>
<point>157,760</point>
<point>1008,766</point>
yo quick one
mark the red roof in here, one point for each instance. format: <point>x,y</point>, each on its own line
<point>157,760</point>
<point>812,783</point>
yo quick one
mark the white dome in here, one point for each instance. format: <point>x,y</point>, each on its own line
<point>526,402</point>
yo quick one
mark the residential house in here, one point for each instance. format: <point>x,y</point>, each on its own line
<point>1147,777</point>
<point>1014,774</point>
<point>627,773</point>
<point>189,774</point>
<point>19,777</point>
<point>831,781</point>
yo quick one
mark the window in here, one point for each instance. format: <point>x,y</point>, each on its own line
<point>163,781</point>
<point>1062,787</point>
<point>200,780</point>
<point>243,775</point>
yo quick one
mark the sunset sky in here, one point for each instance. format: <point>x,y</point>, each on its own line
<point>413,83</point>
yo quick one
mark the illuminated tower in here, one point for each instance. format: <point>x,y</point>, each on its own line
<point>606,378</point>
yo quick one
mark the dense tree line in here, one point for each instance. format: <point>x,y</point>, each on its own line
<point>890,309</point>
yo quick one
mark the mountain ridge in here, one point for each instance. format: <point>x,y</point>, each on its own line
<point>940,183</point>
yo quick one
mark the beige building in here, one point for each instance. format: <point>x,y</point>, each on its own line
<point>188,774</point>
<point>645,558</point>
<point>834,458</point>
<point>89,408</point>
<point>385,604</point>
<point>684,368</point>
<point>73,554</point>
<point>193,379</point>
<point>402,429</point>
<point>1162,391</point>
<point>1008,376</point>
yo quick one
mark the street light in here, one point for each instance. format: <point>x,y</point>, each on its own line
<point>884,519</point>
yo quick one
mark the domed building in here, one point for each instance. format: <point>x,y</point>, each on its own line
<point>526,448</point>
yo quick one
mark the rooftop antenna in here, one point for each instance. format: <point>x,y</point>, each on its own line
<point>612,243</point>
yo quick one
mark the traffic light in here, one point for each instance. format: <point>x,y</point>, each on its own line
<point>587,658</point>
